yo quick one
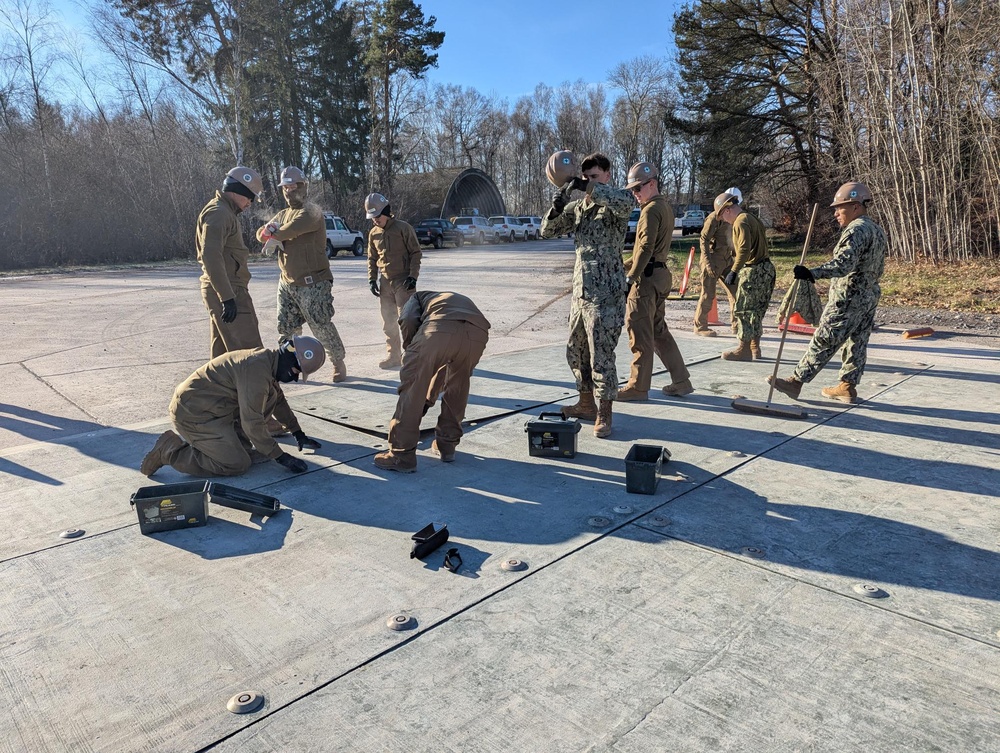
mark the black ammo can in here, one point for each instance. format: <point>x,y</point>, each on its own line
<point>171,506</point>
<point>552,436</point>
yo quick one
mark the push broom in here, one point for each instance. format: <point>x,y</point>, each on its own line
<point>767,409</point>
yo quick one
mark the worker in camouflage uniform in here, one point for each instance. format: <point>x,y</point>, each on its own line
<point>393,267</point>
<point>225,279</point>
<point>752,275</point>
<point>649,282</point>
<point>715,262</point>
<point>598,222</point>
<point>305,289</point>
<point>849,315</point>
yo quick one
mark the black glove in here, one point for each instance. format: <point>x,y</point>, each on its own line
<point>229,311</point>
<point>559,201</point>
<point>730,279</point>
<point>410,283</point>
<point>292,464</point>
<point>580,184</point>
<point>373,284</point>
<point>803,273</point>
<point>304,441</point>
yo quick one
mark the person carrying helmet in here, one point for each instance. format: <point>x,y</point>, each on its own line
<point>220,412</point>
<point>649,282</point>
<point>444,336</point>
<point>849,315</point>
<point>598,221</point>
<point>752,275</point>
<point>715,262</point>
<point>305,289</point>
<point>393,267</point>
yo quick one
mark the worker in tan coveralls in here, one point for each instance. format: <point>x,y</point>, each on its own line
<point>393,267</point>
<point>649,283</point>
<point>716,261</point>
<point>225,277</point>
<point>305,290</point>
<point>444,336</point>
<point>221,410</point>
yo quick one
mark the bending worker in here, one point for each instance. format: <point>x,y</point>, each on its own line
<point>716,262</point>
<point>220,412</point>
<point>305,289</point>
<point>849,315</point>
<point>752,274</point>
<point>598,222</point>
<point>444,336</point>
<point>649,283</point>
<point>393,267</point>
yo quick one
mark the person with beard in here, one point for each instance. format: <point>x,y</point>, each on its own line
<point>305,290</point>
<point>220,412</point>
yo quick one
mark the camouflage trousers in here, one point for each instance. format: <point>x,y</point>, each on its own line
<point>312,305</point>
<point>753,295</point>
<point>593,336</point>
<point>844,324</point>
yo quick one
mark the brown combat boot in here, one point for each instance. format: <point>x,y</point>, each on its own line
<point>791,386</point>
<point>678,389</point>
<point>404,462</point>
<point>166,445</point>
<point>602,426</point>
<point>755,349</point>
<point>844,392</point>
<point>740,353</point>
<point>629,393</point>
<point>339,371</point>
<point>585,408</point>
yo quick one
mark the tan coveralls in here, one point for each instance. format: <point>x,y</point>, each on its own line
<point>650,275</point>
<point>441,332</point>
<point>716,261</point>
<point>393,255</point>
<point>222,409</point>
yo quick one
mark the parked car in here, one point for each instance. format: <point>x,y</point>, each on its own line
<point>509,229</point>
<point>476,229</point>
<point>436,232</point>
<point>693,221</point>
<point>633,220</point>
<point>339,236</point>
<point>532,226</point>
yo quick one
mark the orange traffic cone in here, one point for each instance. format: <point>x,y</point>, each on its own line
<point>796,318</point>
<point>713,313</point>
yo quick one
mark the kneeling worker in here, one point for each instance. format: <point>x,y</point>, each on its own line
<point>442,332</point>
<point>221,410</point>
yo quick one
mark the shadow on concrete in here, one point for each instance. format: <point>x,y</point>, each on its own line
<point>222,538</point>
<point>42,427</point>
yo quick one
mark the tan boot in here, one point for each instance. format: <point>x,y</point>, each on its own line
<point>166,445</point>
<point>404,462</point>
<point>602,426</point>
<point>740,353</point>
<point>585,408</point>
<point>705,332</point>
<point>791,386</point>
<point>390,362</point>
<point>678,389</point>
<point>845,392</point>
<point>755,349</point>
<point>339,371</point>
<point>629,393</point>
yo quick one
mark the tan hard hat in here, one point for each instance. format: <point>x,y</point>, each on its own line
<point>292,175</point>
<point>249,178</point>
<point>639,173</point>
<point>724,199</point>
<point>734,191</point>
<point>309,353</point>
<point>850,193</point>
<point>561,167</point>
<point>374,205</point>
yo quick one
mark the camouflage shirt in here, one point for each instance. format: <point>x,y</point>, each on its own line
<point>858,259</point>
<point>599,227</point>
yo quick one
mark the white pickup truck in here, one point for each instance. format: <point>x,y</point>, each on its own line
<point>339,236</point>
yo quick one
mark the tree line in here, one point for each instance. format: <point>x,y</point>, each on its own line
<point>784,98</point>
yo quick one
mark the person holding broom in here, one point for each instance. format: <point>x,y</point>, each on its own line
<point>849,316</point>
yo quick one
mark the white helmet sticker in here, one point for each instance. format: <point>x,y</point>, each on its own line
<point>247,177</point>
<point>308,354</point>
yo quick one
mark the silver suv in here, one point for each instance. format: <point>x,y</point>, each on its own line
<point>509,229</point>
<point>476,229</point>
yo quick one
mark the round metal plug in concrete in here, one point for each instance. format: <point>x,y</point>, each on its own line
<point>401,622</point>
<point>72,533</point>
<point>246,702</point>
